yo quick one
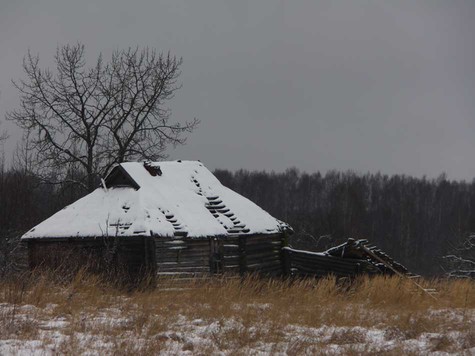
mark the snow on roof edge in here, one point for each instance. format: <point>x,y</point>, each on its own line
<point>187,200</point>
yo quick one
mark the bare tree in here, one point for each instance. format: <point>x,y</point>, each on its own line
<point>23,157</point>
<point>461,261</point>
<point>89,118</point>
<point>4,133</point>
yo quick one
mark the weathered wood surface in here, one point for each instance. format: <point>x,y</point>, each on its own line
<point>304,263</point>
<point>264,255</point>
<point>227,255</point>
<point>130,259</point>
<point>177,257</point>
<point>182,257</point>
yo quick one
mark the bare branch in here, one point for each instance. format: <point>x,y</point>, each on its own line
<point>98,116</point>
<point>461,262</point>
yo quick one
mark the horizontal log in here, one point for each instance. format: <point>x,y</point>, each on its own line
<point>257,266</point>
<point>318,255</point>
<point>177,240</point>
<point>188,245</point>
<point>322,269</point>
<point>255,244</point>
<point>183,260</point>
<point>230,256</point>
<point>189,272</point>
<point>181,242</point>
<point>228,251</point>
<point>183,257</point>
<point>230,246</point>
<point>230,265</point>
<point>184,269</point>
<point>229,239</point>
<point>324,259</point>
<point>265,237</point>
<point>187,253</point>
<point>336,269</point>
<point>274,256</point>
<point>233,252</point>
<point>263,242</point>
<point>263,253</point>
<point>263,259</point>
<point>261,248</point>
<point>321,272</point>
<point>304,272</point>
<point>193,258</point>
<point>183,249</point>
<point>274,236</point>
<point>171,275</point>
<point>324,264</point>
<point>183,263</point>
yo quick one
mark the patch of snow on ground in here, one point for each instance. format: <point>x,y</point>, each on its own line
<point>190,336</point>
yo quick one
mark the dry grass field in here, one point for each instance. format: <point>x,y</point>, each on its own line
<point>381,316</point>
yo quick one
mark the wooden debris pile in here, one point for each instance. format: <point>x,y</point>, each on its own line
<point>363,250</point>
<point>354,257</point>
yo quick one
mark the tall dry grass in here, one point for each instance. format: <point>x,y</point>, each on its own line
<point>243,312</point>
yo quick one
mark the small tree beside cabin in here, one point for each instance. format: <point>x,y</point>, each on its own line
<point>87,118</point>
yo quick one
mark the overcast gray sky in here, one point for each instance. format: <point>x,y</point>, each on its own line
<point>364,85</point>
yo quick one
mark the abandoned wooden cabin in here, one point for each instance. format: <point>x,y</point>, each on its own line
<point>161,218</point>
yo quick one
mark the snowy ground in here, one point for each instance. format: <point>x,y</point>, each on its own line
<point>39,331</point>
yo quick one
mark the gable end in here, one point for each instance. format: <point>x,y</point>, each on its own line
<point>119,177</point>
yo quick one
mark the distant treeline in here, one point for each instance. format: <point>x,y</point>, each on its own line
<point>415,220</point>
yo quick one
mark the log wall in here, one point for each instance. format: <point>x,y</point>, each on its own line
<point>130,259</point>
<point>263,254</point>
<point>188,257</point>
<point>231,251</point>
<point>305,263</point>
<point>182,257</point>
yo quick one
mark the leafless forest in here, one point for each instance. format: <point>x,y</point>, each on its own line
<point>416,220</point>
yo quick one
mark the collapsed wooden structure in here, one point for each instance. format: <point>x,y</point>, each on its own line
<point>161,219</point>
<point>354,257</point>
<point>351,258</point>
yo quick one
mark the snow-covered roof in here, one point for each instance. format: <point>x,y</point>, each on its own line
<point>179,198</point>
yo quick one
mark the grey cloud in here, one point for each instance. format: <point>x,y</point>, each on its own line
<point>365,85</point>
